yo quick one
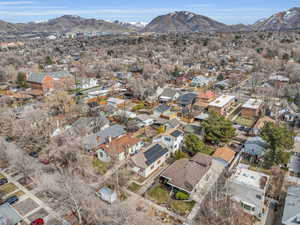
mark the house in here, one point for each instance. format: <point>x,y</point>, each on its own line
<point>115,102</point>
<point>107,194</point>
<point>184,174</point>
<point>169,115</point>
<point>172,124</point>
<point>222,104</point>
<point>146,162</point>
<point>254,148</point>
<point>278,81</point>
<point>125,114</point>
<point>50,81</point>
<point>119,149</point>
<point>187,99</point>
<point>201,81</point>
<point>252,108</point>
<point>294,165</point>
<point>224,84</point>
<point>206,96</point>
<point>159,110</point>
<point>9,216</point>
<point>172,139</point>
<point>224,153</point>
<point>291,212</point>
<point>168,95</point>
<point>144,120</point>
<point>92,141</point>
<point>249,188</point>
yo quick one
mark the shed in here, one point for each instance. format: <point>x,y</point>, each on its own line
<point>107,194</point>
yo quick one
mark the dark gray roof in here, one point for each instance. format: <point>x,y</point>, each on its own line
<point>294,163</point>
<point>292,206</point>
<point>173,123</point>
<point>176,133</point>
<point>8,215</point>
<point>38,78</point>
<point>187,99</point>
<point>89,124</point>
<point>162,108</point>
<point>154,153</point>
<point>101,137</point>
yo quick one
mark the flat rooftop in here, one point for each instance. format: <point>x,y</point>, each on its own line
<point>250,178</point>
<point>222,101</point>
<point>253,103</point>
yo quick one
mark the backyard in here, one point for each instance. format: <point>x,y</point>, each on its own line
<point>244,121</point>
<point>161,195</point>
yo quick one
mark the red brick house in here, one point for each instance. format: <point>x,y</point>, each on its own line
<point>50,81</point>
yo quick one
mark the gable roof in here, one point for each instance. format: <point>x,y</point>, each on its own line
<point>168,92</point>
<point>162,108</point>
<point>186,99</point>
<point>206,95</point>
<point>224,153</point>
<point>119,145</point>
<point>292,206</point>
<point>186,173</point>
<point>39,77</point>
<point>92,141</point>
<point>153,153</point>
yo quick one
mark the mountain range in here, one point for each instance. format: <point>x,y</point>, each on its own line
<point>181,21</point>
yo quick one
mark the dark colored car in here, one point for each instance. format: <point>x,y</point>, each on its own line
<point>38,221</point>
<point>12,200</point>
<point>3,181</point>
<point>34,154</point>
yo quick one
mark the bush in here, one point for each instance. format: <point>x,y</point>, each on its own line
<point>182,196</point>
<point>138,107</point>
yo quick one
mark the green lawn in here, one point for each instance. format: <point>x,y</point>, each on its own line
<point>8,188</point>
<point>134,187</point>
<point>245,121</point>
<point>100,167</point>
<point>159,194</point>
<point>18,193</point>
<point>182,207</point>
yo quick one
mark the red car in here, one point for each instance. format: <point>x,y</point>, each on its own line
<point>38,221</point>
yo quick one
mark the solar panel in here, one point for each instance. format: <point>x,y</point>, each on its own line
<point>154,153</point>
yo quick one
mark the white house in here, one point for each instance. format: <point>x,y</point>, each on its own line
<point>249,188</point>
<point>172,139</point>
<point>119,149</point>
<point>291,213</point>
<point>146,162</point>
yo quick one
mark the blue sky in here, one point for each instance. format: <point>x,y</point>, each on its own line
<point>226,11</point>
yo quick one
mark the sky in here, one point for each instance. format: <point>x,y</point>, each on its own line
<point>226,11</point>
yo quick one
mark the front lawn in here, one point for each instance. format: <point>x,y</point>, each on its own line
<point>134,187</point>
<point>100,167</point>
<point>245,121</point>
<point>159,194</point>
<point>18,194</point>
<point>182,207</point>
<point>8,188</point>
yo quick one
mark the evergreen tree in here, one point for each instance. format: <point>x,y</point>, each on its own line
<point>218,129</point>
<point>279,138</point>
<point>21,79</point>
<point>193,144</point>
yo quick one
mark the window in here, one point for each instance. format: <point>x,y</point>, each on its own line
<point>158,162</point>
<point>101,154</point>
<point>247,207</point>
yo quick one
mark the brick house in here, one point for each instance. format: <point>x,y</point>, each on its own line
<point>49,81</point>
<point>252,108</point>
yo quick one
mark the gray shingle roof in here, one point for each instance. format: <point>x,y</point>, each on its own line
<point>292,206</point>
<point>92,141</point>
<point>168,92</point>
<point>38,78</point>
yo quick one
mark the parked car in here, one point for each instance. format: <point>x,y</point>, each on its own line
<point>38,221</point>
<point>12,200</point>
<point>34,154</point>
<point>3,181</point>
